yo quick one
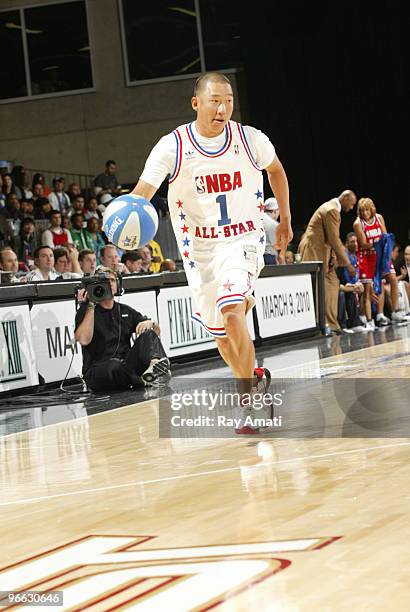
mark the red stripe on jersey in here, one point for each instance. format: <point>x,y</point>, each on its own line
<point>228,144</point>
<point>246,148</point>
<point>179,150</point>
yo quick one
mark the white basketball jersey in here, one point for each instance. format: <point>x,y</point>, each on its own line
<point>215,198</point>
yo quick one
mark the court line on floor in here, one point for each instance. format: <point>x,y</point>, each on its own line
<point>197,475</point>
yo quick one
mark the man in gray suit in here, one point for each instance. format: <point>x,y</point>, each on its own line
<point>321,242</point>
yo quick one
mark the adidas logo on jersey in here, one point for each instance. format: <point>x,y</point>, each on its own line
<point>218,183</point>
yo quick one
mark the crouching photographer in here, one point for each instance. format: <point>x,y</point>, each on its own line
<point>104,329</point>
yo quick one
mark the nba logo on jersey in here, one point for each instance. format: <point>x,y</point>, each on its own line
<point>236,149</point>
<point>200,185</point>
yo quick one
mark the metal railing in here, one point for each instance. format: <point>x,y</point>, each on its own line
<point>84,180</point>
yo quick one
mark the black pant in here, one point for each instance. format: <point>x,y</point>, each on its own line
<point>348,310</point>
<point>122,373</point>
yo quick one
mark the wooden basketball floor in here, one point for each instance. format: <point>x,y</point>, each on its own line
<point>116,518</point>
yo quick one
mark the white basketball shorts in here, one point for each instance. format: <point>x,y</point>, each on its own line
<point>224,275</point>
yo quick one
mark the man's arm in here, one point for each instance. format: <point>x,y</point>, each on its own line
<point>143,189</point>
<point>47,239</point>
<point>279,185</point>
<point>85,329</point>
<point>332,226</point>
<point>361,237</point>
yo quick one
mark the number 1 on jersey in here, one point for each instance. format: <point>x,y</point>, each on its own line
<point>224,220</point>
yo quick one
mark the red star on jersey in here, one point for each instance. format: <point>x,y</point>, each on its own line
<point>185,254</point>
<point>185,229</point>
<point>261,207</point>
<point>227,286</point>
<point>179,203</point>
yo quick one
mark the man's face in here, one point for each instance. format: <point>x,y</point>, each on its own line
<point>111,168</point>
<point>59,186</point>
<point>92,204</point>
<point>38,190</point>
<point>351,244</point>
<point>9,261</point>
<point>12,202</point>
<point>7,181</point>
<point>89,264</point>
<point>45,260</point>
<point>62,265</point>
<point>214,108</point>
<point>110,258</point>
<point>407,255</point>
<point>78,204</point>
<point>289,257</point>
<point>28,228</point>
<point>134,266</point>
<point>274,214</point>
<point>75,189</point>
<point>77,222</point>
<point>55,220</point>
<point>113,283</point>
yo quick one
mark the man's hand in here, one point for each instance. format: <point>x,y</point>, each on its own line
<point>358,288</point>
<point>82,296</point>
<point>144,326</point>
<point>351,269</point>
<point>284,235</point>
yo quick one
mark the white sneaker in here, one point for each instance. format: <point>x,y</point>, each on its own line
<point>345,330</point>
<point>397,317</point>
<point>361,328</point>
<point>370,326</point>
<point>382,321</point>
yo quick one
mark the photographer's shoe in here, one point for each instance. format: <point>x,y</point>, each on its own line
<point>157,369</point>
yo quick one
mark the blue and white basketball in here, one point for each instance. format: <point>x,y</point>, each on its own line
<point>130,222</point>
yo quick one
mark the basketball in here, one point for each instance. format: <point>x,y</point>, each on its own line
<point>130,222</point>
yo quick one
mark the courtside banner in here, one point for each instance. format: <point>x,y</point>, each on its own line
<point>144,302</point>
<point>17,356</point>
<point>284,304</point>
<point>53,335</point>
<point>180,335</point>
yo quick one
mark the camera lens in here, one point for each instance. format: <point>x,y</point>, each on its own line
<point>99,291</point>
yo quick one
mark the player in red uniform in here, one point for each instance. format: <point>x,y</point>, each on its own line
<point>369,227</point>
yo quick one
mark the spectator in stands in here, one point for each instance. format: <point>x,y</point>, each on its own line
<point>42,209</point>
<point>104,331</point>
<point>156,256</point>
<point>66,222</point>
<point>38,192</point>
<point>56,236</point>
<point>20,179</point>
<point>350,290</point>
<point>58,199</point>
<point>168,265</point>
<point>2,194</point>
<point>73,191</point>
<point>9,263</point>
<point>40,179</point>
<point>77,206</point>
<point>92,210</point>
<point>289,257</point>
<point>66,263</point>
<point>132,261</point>
<point>26,242</point>
<point>81,238</point>
<point>88,262</point>
<point>10,187</point>
<point>44,265</point>
<point>320,241</point>
<point>146,259</point>
<point>110,259</point>
<point>107,181</point>
<point>270,224</point>
<point>93,228</point>
<point>26,208</point>
<point>11,213</point>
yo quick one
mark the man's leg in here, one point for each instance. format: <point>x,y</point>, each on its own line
<point>109,375</point>
<point>237,349</point>
<point>331,299</point>
<point>147,356</point>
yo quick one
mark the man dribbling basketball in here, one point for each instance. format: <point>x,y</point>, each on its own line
<point>216,204</point>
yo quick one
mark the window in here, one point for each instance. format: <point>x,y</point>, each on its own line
<point>168,39</point>
<point>57,52</point>
<point>13,80</point>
